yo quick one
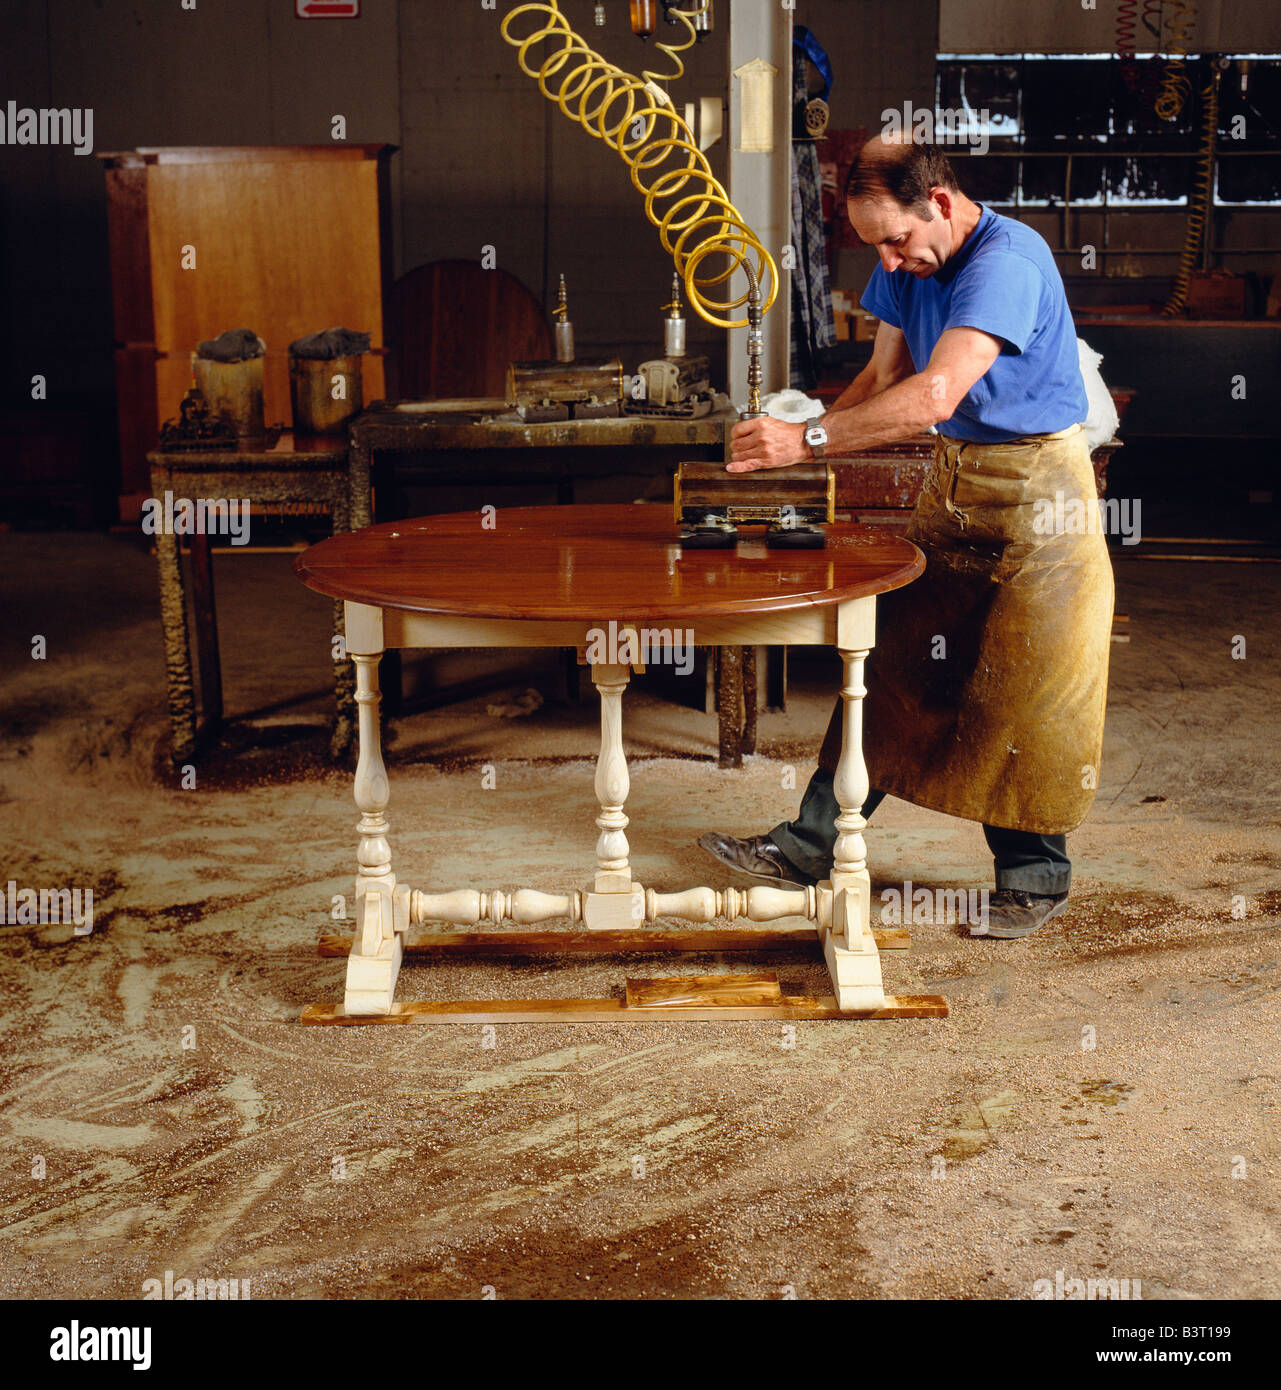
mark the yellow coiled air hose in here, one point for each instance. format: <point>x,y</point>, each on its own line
<point>626,112</point>
<point>1198,198</point>
<point>1175,85</point>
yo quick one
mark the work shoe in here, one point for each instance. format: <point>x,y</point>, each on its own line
<point>1012,913</point>
<point>758,855</point>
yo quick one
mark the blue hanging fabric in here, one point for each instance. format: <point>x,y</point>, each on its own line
<point>812,324</point>
<point>816,53</point>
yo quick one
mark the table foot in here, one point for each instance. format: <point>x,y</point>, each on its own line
<point>371,980</point>
<point>856,976</point>
<point>377,949</point>
<point>849,944</point>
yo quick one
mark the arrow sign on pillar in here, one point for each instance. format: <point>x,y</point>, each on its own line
<point>326,9</point>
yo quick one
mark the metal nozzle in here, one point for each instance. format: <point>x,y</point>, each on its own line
<point>755,345</point>
<point>674,323</point>
<point>562,329</point>
<point>675,307</point>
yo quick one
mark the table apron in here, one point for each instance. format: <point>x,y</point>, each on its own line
<point>849,624</point>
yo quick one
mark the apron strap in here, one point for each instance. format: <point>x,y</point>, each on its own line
<point>950,467</point>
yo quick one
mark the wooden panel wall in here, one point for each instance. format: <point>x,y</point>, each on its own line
<point>284,247</point>
<point>287,241</point>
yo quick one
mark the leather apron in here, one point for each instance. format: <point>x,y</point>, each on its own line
<point>987,687</point>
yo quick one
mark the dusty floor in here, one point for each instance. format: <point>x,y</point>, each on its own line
<point>187,1123</point>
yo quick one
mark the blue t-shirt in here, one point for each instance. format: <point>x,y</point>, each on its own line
<point>1003,281</point>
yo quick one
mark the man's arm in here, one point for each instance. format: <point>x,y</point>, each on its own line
<point>890,362</point>
<point>960,357</point>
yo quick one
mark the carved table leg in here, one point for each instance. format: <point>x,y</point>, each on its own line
<point>173,617</point>
<point>359,470</point>
<point>849,945</point>
<point>377,946</point>
<point>344,692</point>
<point>750,694</point>
<point>729,705</point>
<point>206,613</point>
<point>616,901</point>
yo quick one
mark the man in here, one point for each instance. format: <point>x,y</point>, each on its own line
<point>986,690</point>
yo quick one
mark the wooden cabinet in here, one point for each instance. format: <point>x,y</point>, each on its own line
<point>285,240</point>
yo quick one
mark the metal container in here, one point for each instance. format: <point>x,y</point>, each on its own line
<point>234,393</point>
<point>324,394</point>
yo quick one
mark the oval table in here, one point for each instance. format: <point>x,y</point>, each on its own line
<point>613,582</point>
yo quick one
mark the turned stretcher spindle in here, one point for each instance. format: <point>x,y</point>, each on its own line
<point>467,906</point>
<point>756,904</point>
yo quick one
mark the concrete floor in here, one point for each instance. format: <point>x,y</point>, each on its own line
<point>186,1123</point>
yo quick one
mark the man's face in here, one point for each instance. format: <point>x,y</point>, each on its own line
<point>903,239</point>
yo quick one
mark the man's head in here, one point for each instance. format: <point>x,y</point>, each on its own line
<point>903,199</point>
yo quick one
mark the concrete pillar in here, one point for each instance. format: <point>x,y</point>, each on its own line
<point>760,185</point>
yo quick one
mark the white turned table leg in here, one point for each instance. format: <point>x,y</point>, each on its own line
<point>377,945</point>
<point>616,901</point>
<point>849,946</point>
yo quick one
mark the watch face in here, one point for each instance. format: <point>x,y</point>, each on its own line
<point>816,434</point>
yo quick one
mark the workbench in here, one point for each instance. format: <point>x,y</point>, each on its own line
<point>436,429</point>
<point>612,582</point>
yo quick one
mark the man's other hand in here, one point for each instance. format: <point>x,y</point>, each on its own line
<point>766,443</point>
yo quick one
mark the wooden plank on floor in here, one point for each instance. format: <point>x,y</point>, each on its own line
<point>689,991</point>
<point>619,941</point>
<point>791,1006</point>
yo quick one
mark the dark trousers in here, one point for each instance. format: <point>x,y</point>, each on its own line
<point>1024,860</point>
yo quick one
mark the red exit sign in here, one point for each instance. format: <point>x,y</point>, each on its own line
<point>327,9</point>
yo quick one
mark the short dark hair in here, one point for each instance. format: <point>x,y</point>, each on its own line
<point>905,172</point>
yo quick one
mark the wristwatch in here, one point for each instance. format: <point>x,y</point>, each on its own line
<point>816,438</point>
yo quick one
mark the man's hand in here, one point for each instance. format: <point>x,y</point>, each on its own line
<point>766,443</point>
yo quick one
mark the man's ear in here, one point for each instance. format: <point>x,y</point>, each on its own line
<point>942,199</point>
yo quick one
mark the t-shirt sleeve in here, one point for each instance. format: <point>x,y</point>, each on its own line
<point>1001,294</point>
<point>881,298</point>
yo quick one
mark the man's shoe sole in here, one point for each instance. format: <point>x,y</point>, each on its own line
<point>1017,933</point>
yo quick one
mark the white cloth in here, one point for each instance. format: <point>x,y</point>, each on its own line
<point>792,406</point>
<point>1102,419</point>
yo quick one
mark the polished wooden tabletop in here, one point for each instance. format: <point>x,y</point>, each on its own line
<point>581,562</point>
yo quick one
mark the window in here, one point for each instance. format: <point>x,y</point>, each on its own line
<point>1049,132</point>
